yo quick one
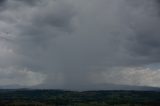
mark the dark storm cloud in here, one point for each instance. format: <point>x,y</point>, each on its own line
<point>2,1</point>
<point>145,43</point>
<point>29,2</point>
<point>76,43</point>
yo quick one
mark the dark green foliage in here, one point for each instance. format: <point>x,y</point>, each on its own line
<point>70,98</point>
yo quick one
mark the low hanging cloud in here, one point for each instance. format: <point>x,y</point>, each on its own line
<point>10,76</point>
<point>129,76</point>
<point>69,43</point>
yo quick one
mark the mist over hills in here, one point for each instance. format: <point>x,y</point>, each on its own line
<point>98,87</point>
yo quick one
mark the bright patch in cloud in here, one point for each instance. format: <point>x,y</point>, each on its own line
<point>11,76</point>
<point>132,76</point>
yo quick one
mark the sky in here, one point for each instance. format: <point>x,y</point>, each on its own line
<point>76,43</point>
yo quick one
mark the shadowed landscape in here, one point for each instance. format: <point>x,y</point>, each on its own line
<point>24,97</point>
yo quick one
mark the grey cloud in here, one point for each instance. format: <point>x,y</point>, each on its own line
<point>30,2</point>
<point>2,1</point>
<point>71,40</point>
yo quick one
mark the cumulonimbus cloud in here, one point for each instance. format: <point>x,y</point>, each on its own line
<point>70,41</point>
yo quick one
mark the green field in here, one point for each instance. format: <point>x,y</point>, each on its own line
<point>73,98</point>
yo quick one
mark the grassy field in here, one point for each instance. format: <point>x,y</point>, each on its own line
<point>72,98</point>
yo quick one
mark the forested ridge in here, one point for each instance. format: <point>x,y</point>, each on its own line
<point>25,97</point>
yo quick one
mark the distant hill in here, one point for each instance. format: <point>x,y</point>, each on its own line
<point>99,87</point>
<point>91,87</point>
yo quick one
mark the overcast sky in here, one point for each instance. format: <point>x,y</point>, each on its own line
<point>75,43</point>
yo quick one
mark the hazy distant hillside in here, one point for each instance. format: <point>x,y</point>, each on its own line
<point>87,88</point>
<point>100,87</point>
